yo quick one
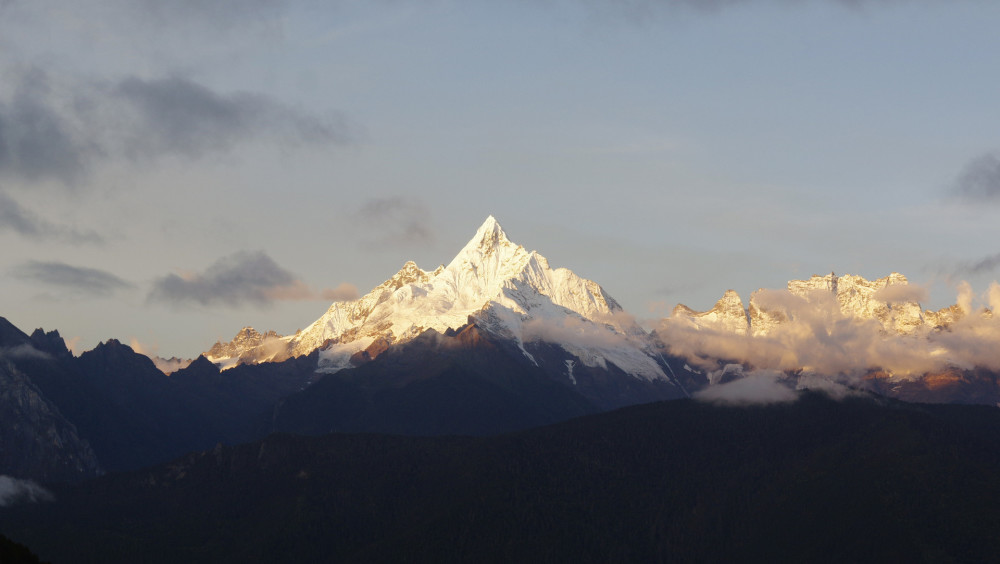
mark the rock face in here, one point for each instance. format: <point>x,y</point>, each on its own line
<point>36,441</point>
<point>727,315</point>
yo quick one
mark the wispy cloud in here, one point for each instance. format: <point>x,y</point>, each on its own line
<point>22,351</point>
<point>979,180</point>
<point>980,266</point>
<point>902,293</point>
<point>59,129</point>
<point>342,293</point>
<point>13,491</point>
<point>179,116</point>
<point>395,221</point>
<point>37,140</point>
<point>14,217</point>
<point>76,279</point>
<point>241,278</point>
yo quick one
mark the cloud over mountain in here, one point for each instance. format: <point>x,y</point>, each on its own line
<point>816,335</point>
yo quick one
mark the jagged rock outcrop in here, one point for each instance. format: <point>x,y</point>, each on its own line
<point>727,315</point>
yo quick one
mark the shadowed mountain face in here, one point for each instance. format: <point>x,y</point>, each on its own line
<point>811,481</point>
<point>112,409</point>
<point>65,418</point>
<point>464,383</point>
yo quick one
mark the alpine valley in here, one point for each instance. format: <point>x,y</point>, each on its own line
<point>498,409</point>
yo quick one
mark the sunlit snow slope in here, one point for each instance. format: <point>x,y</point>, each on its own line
<point>506,290</point>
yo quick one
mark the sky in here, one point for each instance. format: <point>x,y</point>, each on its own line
<point>173,171</point>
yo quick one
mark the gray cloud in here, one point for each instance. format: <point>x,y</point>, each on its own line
<point>240,278</point>
<point>980,179</point>
<point>395,221</point>
<point>37,141</point>
<point>13,490</point>
<point>78,279</point>
<point>58,129</point>
<point>981,266</point>
<point>179,116</point>
<point>15,218</point>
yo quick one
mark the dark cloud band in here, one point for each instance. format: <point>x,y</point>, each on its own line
<point>77,279</point>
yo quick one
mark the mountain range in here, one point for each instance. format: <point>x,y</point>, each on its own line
<point>495,341</point>
<point>449,413</point>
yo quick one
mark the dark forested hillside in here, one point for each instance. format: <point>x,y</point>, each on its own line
<point>812,481</point>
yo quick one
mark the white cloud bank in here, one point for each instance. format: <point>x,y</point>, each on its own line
<point>817,337</point>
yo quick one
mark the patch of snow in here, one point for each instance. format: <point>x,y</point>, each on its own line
<point>569,371</point>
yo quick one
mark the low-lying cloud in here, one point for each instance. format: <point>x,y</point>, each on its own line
<point>816,336</point>
<point>755,387</point>
<point>23,351</point>
<point>14,491</point>
<point>573,331</point>
<point>78,280</point>
<point>242,278</point>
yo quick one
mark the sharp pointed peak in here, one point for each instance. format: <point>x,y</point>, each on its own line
<point>489,235</point>
<point>491,225</point>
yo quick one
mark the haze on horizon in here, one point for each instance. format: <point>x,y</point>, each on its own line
<point>171,172</point>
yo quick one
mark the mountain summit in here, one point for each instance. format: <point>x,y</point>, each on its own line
<point>507,291</point>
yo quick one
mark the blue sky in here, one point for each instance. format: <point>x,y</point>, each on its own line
<point>171,172</point>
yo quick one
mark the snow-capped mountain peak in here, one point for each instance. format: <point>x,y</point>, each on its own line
<point>507,290</point>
